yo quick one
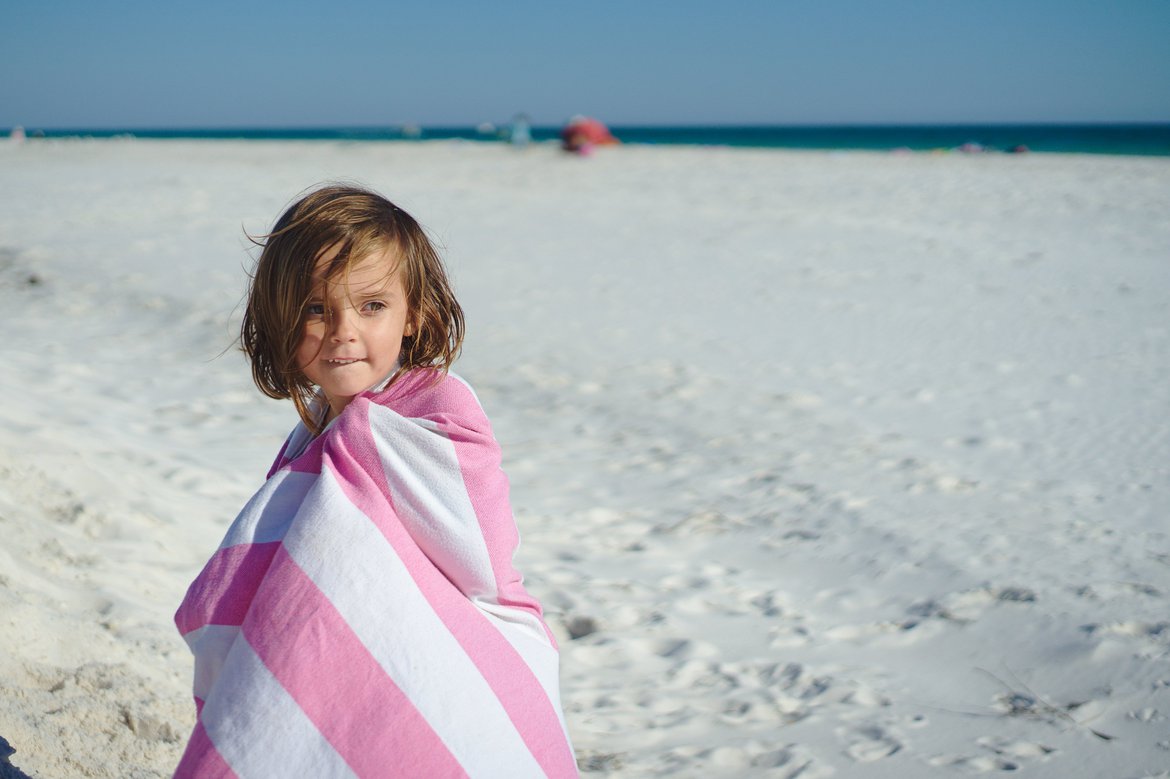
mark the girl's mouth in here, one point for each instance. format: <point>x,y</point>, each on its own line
<point>344,361</point>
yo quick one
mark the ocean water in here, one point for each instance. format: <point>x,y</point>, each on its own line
<point>1139,139</point>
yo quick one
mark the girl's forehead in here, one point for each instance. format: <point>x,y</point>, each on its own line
<point>374,268</point>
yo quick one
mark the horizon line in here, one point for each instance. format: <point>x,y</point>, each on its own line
<point>555,126</point>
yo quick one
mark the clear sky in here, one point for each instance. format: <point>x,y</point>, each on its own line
<point>221,63</point>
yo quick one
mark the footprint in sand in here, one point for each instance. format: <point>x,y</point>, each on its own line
<point>930,617</point>
<point>788,762</point>
<point>1019,750</point>
<point>1156,632</point>
<point>969,605</point>
<point>977,764</point>
<point>869,743</point>
<point>1108,590</point>
<point>1146,715</point>
<point>1006,755</point>
<point>787,635</point>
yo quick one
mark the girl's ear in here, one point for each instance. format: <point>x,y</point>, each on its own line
<point>411,327</point>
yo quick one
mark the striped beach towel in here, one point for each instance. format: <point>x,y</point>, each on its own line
<point>362,616</point>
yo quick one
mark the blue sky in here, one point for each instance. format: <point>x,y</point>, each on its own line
<point>213,63</point>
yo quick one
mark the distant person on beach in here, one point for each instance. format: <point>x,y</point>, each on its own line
<point>520,133</point>
<point>362,615</point>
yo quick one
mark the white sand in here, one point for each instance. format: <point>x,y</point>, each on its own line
<point>854,464</point>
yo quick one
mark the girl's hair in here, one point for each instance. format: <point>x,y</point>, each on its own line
<point>359,222</point>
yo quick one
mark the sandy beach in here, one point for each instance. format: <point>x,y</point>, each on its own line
<point>826,464</point>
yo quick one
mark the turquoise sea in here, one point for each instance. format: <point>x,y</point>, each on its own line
<point>1140,139</point>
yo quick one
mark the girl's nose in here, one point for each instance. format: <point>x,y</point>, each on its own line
<point>343,327</point>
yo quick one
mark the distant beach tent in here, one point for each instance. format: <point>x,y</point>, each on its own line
<point>582,134</point>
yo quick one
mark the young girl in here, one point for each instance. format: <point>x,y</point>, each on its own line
<point>362,616</point>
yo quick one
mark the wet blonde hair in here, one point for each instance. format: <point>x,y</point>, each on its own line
<point>359,223</point>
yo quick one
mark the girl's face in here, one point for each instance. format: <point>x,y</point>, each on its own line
<point>356,344</point>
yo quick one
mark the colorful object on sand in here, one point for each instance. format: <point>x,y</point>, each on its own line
<point>582,134</point>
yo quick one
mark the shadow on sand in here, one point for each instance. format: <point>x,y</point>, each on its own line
<point>7,770</point>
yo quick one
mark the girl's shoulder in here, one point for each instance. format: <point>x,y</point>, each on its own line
<point>427,392</point>
<point>420,401</point>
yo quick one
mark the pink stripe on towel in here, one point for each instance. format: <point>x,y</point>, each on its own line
<point>490,502</point>
<point>510,678</point>
<point>201,760</point>
<point>311,650</point>
<point>222,593</point>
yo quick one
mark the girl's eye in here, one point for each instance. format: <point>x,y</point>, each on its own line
<point>375,305</point>
<point>315,309</point>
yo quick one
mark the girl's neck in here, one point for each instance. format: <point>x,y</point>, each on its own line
<point>331,413</point>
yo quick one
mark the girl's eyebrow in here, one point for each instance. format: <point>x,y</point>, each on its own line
<point>383,287</point>
<point>373,289</point>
